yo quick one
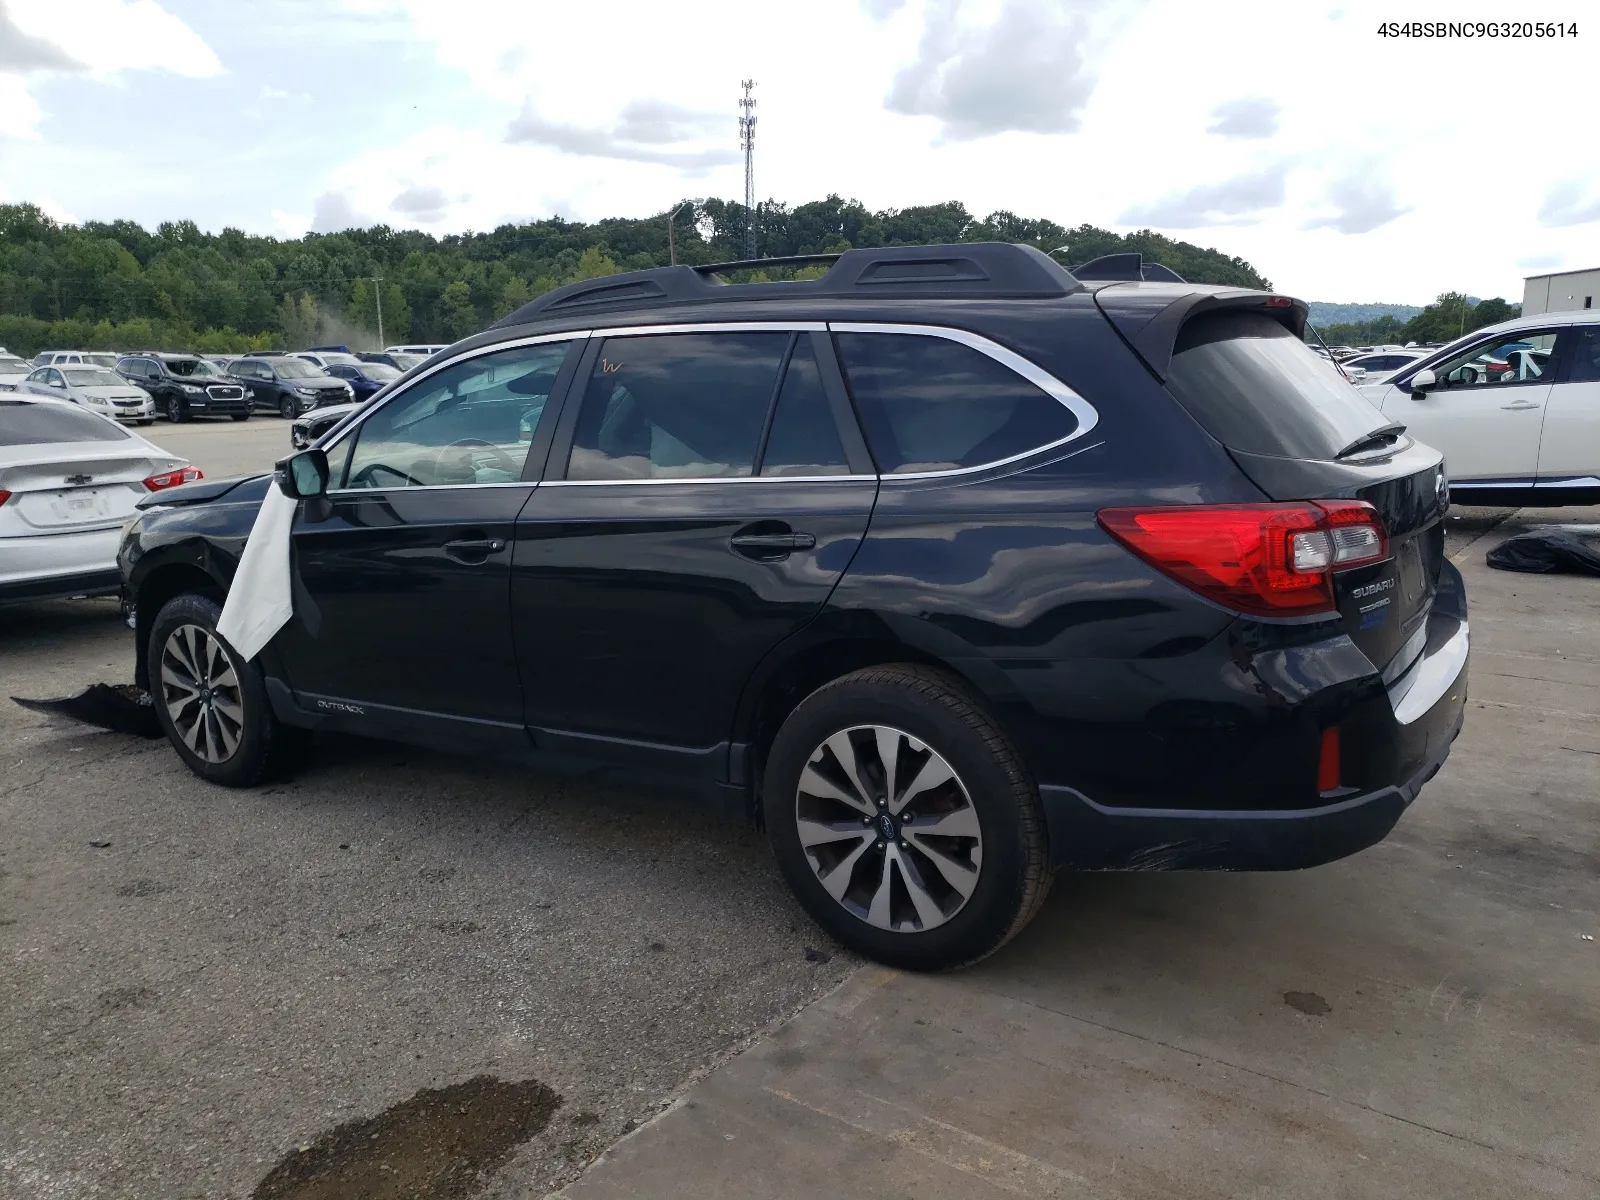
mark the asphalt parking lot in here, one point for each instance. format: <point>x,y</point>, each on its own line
<point>400,961</point>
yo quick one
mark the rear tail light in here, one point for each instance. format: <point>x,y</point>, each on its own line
<point>4,495</point>
<point>169,479</point>
<point>1273,560</point>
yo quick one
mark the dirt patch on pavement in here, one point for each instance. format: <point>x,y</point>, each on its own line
<point>440,1144</point>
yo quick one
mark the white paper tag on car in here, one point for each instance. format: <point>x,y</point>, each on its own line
<point>259,602</point>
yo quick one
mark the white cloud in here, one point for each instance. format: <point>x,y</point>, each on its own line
<point>1362,202</point>
<point>333,213</point>
<point>1028,70</point>
<point>1237,201</point>
<point>647,131</point>
<point>112,36</point>
<point>1569,202</point>
<point>1249,117</point>
<point>106,38</point>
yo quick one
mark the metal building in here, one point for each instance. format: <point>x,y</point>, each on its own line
<point>1560,292</point>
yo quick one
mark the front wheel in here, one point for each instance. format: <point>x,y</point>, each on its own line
<point>244,416</point>
<point>212,706</point>
<point>175,412</point>
<point>286,409</point>
<point>905,820</point>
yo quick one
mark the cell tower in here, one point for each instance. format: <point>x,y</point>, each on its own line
<point>747,143</point>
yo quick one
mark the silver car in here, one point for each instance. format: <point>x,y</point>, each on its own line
<point>69,478</point>
<point>13,371</point>
<point>94,387</point>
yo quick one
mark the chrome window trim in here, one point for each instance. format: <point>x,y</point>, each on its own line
<point>1085,413</point>
<point>714,327</point>
<point>1080,408</point>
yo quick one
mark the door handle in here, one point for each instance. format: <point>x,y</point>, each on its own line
<point>1521,406</point>
<point>474,550</point>
<point>773,541</point>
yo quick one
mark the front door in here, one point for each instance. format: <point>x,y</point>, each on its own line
<point>703,507</point>
<point>1488,409</point>
<point>402,609</point>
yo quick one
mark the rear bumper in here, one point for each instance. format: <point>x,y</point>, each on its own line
<point>1427,706</point>
<point>59,564</point>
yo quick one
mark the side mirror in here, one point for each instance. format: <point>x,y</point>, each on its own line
<point>304,475</point>
<point>1423,382</point>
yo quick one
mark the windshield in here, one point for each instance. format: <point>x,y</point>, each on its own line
<point>101,360</point>
<point>193,368</point>
<point>13,366</point>
<point>1257,388</point>
<point>379,372</point>
<point>92,377</point>
<point>25,423</point>
<point>298,368</point>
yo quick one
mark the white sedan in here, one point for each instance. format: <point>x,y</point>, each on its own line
<point>69,478</point>
<point>93,387</point>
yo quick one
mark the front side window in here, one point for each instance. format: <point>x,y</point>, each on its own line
<point>1511,358</point>
<point>472,423</point>
<point>931,404</point>
<point>676,406</point>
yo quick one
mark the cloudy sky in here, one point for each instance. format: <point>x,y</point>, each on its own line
<point>1344,165</point>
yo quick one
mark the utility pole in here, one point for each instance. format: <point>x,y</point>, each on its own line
<point>672,248</point>
<point>377,294</point>
<point>747,142</point>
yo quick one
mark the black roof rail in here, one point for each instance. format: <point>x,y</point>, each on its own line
<point>1125,268</point>
<point>975,270</point>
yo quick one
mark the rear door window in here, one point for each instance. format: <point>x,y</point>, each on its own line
<point>1257,388</point>
<point>676,406</point>
<point>803,440</point>
<point>931,404</point>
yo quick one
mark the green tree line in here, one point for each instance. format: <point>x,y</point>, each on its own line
<point>116,285</point>
<point>1446,319</point>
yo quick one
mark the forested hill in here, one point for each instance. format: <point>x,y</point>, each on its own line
<point>117,285</point>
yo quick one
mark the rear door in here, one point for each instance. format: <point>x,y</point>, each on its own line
<point>1569,450</point>
<point>707,490</point>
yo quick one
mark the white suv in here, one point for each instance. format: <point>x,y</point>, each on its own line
<point>1515,407</point>
<point>91,358</point>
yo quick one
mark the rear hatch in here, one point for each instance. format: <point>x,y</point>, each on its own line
<point>68,470</point>
<point>1299,431</point>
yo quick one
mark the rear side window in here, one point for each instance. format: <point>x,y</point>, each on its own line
<point>804,439</point>
<point>26,424</point>
<point>931,404</point>
<point>676,406</point>
<point>1257,388</point>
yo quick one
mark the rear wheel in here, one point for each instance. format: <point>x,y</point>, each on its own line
<point>905,820</point>
<point>175,411</point>
<point>212,706</point>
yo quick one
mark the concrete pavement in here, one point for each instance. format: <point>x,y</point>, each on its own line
<point>1420,1020</point>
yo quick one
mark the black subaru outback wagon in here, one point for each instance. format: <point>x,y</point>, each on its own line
<point>957,567</point>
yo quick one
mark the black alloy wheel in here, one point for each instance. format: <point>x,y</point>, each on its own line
<point>175,411</point>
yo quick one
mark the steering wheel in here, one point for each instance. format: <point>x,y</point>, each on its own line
<point>365,476</point>
<point>501,459</point>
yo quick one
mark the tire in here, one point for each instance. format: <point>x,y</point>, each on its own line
<point>262,748</point>
<point>175,412</point>
<point>286,409</point>
<point>925,713</point>
<point>244,416</point>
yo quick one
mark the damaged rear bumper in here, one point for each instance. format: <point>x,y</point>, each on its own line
<point>1427,704</point>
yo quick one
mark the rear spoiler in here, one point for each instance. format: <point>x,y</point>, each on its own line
<point>1150,318</point>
